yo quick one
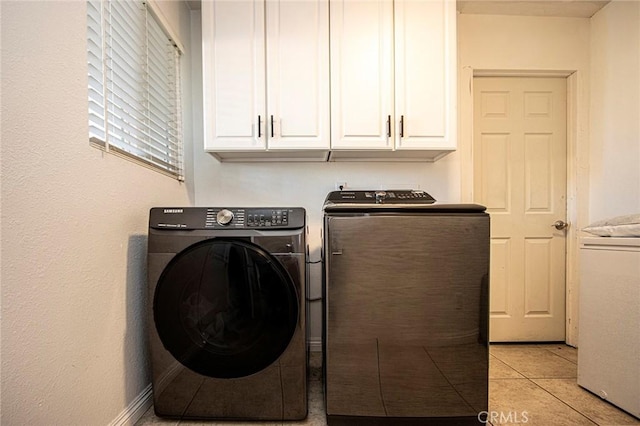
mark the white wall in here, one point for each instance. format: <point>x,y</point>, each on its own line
<point>615,111</point>
<point>74,224</point>
<point>307,184</point>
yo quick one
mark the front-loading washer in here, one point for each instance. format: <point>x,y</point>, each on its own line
<point>226,311</point>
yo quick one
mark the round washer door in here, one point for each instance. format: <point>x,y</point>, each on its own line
<point>225,308</point>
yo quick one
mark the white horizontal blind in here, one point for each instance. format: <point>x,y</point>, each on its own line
<point>134,85</point>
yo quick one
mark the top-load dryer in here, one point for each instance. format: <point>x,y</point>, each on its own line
<point>227,312</point>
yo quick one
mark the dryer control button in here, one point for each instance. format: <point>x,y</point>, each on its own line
<point>224,217</point>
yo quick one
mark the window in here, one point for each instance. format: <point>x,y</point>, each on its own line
<point>134,85</point>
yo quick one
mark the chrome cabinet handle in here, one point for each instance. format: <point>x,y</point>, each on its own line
<point>560,225</point>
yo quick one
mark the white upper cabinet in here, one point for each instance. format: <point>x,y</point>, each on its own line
<point>393,79</point>
<point>266,79</point>
<point>425,73</point>
<point>361,74</point>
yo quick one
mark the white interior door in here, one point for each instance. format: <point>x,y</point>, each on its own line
<point>520,175</point>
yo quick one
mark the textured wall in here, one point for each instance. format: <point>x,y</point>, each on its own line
<point>73,233</point>
<point>615,111</point>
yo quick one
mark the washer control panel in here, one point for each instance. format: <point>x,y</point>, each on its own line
<point>403,196</point>
<point>186,218</point>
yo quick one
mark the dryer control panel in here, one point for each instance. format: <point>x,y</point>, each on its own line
<point>186,218</point>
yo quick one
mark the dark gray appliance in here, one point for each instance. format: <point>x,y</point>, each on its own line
<point>406,309</point>
<point>227,312</point>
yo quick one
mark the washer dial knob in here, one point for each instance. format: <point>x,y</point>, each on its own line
<point>224,217</point>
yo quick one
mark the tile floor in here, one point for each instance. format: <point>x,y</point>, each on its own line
<point>532,384</point>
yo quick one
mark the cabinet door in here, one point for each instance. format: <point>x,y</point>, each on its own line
<point>298,74</point>
<point>361,74</point>
<point>233,75</point>
<point>425,71</point>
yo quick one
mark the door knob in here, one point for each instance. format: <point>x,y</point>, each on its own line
<point>560,225</point>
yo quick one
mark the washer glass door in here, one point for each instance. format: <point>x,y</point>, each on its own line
<point>225,308</point>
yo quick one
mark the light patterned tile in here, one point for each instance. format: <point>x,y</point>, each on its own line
<point>593,407</point>
<point>226,423</point>
<point>562,350</point>
<point>500,370</point>
<point>150,419</point>
<point>316,398</point>
<point>315,360</point>
<point>535,362</point>
<point>520,401</point>
<point>313,419</point>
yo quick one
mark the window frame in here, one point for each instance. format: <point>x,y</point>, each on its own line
<point>132,56</point>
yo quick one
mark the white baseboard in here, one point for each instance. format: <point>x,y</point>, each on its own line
<point>314,345</point>
<point>135,410</point>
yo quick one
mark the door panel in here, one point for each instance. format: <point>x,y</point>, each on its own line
<point>499,273</point>
<point>361,73</point>
<point>495,185</point>
<point>538,172</point>
<point>233,100</point>
<point>520,175</point>
<point>422,79</point>
<point>298,73</point>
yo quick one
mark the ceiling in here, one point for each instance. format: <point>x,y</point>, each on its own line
<point>566,8</point>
